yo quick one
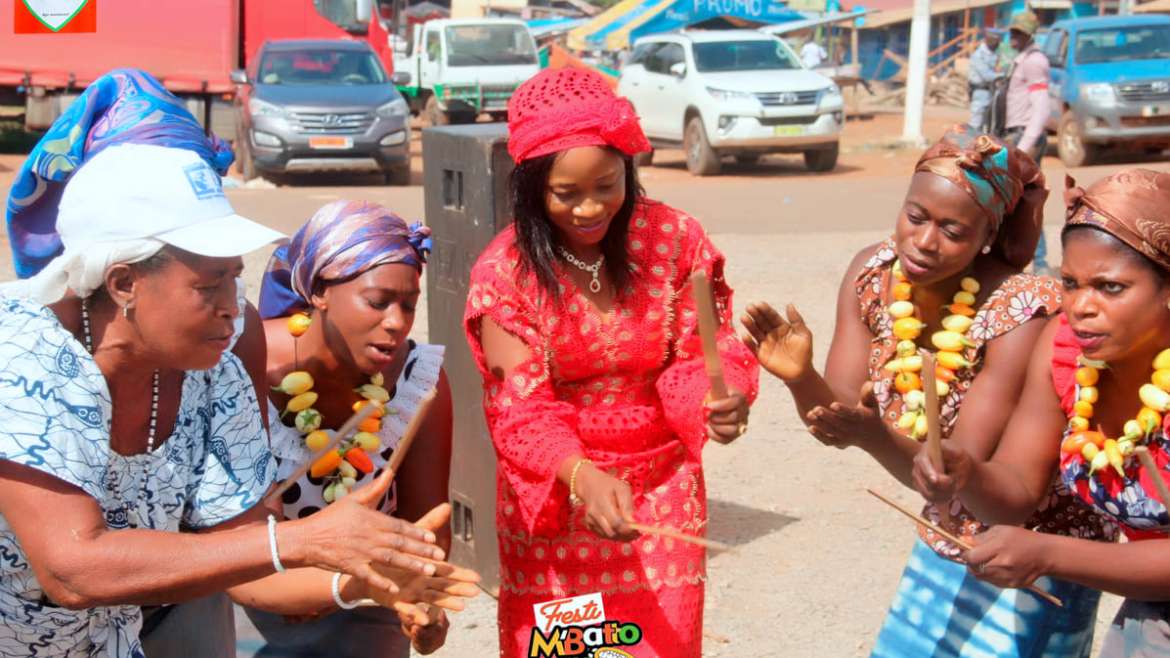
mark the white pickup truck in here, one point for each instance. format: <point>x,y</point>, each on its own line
<point>461,68</point>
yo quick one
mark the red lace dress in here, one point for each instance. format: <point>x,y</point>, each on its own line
<point>1019,299</point>
<point>624,388</point>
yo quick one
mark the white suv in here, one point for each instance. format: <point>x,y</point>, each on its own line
<point>731,92</point>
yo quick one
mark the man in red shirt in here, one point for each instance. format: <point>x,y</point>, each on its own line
<point>1027,93</point>
<point>1027,103</point>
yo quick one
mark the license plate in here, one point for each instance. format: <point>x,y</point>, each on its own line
<point>788,131</point>
<point>330,142</point>
<point>1155,110</point>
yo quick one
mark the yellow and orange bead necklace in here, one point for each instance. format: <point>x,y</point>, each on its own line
<point>951,342</point>
<point>340,467</point>
<point>1098,450</point>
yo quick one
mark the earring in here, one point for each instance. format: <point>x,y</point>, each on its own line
<point>126,311</point>
<point>986,249</point>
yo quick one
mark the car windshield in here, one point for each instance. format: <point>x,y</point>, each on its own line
<point>1123,44</point>
<point>321,67</point>
<point>476,45</point>
<point>719,56</point>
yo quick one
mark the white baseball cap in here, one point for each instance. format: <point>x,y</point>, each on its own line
<point>137,191</point>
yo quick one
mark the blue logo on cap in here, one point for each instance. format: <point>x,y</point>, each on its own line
<point>204,182</point>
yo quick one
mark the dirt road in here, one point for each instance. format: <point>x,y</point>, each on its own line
<point>818,559</point>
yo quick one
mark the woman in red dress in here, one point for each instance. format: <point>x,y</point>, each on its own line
<point>582,321</point>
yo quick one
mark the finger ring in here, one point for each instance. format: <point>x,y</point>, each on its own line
<point>742,429</point>
<point>979,568</point>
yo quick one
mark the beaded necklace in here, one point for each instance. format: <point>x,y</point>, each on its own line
<point>951,344</point>
<point>339,468</point>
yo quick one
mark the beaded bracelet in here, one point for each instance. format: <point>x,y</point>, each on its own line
<point>574,499</point>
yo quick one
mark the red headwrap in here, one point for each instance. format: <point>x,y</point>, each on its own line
<point>560,109</point>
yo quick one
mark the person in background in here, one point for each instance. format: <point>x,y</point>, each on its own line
<point>811,53</point>
<point>981,77</point>
<point>1027,104</point>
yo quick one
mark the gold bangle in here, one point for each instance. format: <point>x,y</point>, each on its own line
<point>574,499</point>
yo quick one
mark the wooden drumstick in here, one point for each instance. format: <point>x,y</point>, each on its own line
<point>708,330</point>
<point>411,431</point>
<point>933,424</point>
<point>710,544</point>
<point>1035,589</point>
<point>933,428</point>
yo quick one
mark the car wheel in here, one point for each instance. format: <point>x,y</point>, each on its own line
<point>1070,143</point>
<point>748,158</point>
<point>435,115</point>
<point>821,159</point>
<point>398,175</point>
<point>702,160</point>
<point>245,162</point>
<point>644,159</point>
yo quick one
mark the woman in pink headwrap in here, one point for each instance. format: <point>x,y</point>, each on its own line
<point>582,321</point>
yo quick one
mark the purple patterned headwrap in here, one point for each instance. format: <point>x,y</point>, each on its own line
<point>343,239</point>
<point>124,106</point>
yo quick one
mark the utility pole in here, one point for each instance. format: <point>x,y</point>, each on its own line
<point>916,75</point>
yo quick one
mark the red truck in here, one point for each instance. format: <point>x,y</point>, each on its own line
<point>192,46</point>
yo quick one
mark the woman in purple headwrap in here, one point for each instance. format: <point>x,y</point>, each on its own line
<point>339,303</point>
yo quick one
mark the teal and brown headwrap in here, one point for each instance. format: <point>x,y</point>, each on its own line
<point>1002,180</point>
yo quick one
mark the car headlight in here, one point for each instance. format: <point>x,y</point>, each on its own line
<point>395,108</point>
<point>726,95</point>
<point>260,108</point>
<point>1100,93</point>
<point>831,94</point>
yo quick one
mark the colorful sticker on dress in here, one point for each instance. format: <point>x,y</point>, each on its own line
<point>577,626</point>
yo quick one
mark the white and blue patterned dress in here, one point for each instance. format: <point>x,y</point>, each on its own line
<point>215,465</point>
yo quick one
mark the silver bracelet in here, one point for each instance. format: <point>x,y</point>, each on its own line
<point>272,545</point>
<point>337,595</point>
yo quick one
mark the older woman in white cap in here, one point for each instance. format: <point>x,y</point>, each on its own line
<point>128,419</point>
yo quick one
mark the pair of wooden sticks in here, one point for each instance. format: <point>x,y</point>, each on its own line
<point>708,328</point>
<point>957,541</point>
<point>934,450</point>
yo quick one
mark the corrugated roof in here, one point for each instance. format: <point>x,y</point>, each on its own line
<point>1155,7</point>
<point>904,13</point>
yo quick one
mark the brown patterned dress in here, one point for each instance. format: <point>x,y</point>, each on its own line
<point>1019,299</point>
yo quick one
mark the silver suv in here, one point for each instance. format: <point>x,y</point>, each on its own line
<point>321,105</point>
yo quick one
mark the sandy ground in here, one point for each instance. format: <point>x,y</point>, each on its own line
<point>818,559</point>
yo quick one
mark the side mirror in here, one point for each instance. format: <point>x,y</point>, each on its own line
<point>239,77</point>
<point>678,70</point>
<point>400,78</point>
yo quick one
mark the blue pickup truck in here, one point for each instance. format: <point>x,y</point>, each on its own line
<point>1110,85</point>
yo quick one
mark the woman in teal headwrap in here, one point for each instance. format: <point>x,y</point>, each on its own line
<point>967,228</point>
